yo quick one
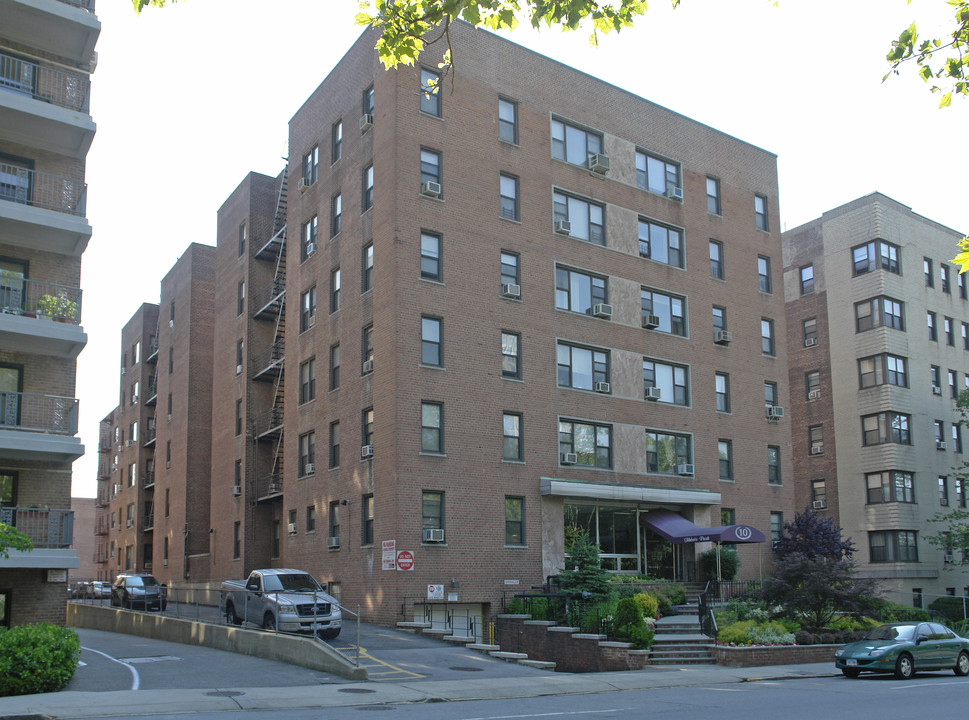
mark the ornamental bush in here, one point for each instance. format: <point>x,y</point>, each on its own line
<point>729,564</point>
<point>751,632</point>
<point>37,658</point>
<point>647,603</point>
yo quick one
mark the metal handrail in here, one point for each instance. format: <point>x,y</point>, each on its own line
<point>57,87</point>
<point>20,296</point>
<point>53,192</point>
<point>38,413</point>
<point>45,528</point>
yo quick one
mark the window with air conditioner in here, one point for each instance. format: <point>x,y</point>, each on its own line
<point>670,381</point>
<point>661,243</point>
<point>586,219</point>
<point>589,444</point>
<point>579,292</point>
<point>669,309</point>
<point>666,451</point>
<point>658,175</point>
<point>574,144</point>
<point>581,368</point>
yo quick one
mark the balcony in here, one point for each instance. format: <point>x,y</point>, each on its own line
<point>269,425</point>
<point>27,308</point>
<point>149,479</point>
<point>63,89</point>
<point>270,487</point>
<point>45,528</point>
<point>68,28</point>
<point>152,354</point>
<point>42,211</point>
<point>149,522</point>
<point>151,392</point>
<point>150,433</point>
<point>270,300</point>
<point>274,246</point>
<point>101,526</point>
<point>269,363</point>
<point>39,427</point>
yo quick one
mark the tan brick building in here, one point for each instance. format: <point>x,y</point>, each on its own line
<point>46,59</point>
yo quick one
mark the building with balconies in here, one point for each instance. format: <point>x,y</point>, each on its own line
<point>46,59</point>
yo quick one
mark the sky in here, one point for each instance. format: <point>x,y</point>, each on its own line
<point>190,98</point>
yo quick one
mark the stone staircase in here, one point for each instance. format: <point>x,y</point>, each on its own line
<point>678,639</point>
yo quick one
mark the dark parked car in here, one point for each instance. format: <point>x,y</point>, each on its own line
<point>100,589</point>
<point>904,647</point>
<point>141,590</point>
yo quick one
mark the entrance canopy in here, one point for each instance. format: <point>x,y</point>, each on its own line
<point>677,529</point>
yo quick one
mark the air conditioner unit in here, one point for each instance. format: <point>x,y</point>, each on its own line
<point>129,443</point>
<point>814,395</point>
<point>333,542</point>
<point>684,469</point>
<point>817,449</point>
<point>568,458</point>
<point>366,122</point>
<point>169,417</point>
<point>650,322</point>
<point>367,366</point>
<point>275,487</point>
<point>165,562</point>
<point>810,342</point>
<point>563,227</point>
<point>433,535</point>
<point>292,528</point>
<point>940,444</point>
<point>311,320</point>
<point>237,490</point>
<point>775,412</point>
<point>947,558</point>
<point>238,369</point>
<point>603,387</point>
<point>171,323</point>
<point>819,504</point>
<point>309,469</point>
<point>598,163</point>
<point>936,390</point>
<point>302,185</point>
<point>147,566</point>
<point>944,502</point>
<point>602,310</point>
<point>722,337</point>
<point>310,248</point>
<point>511,290</point>
<point>676,193</point>
<point>653,393</point>
<point>124,370</point>
<point>366,451</point>
<point>431,189</point>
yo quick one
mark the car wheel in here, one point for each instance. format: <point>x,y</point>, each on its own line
<point>268,621</point>
<point>904,667</point>
<point>962,665</point>
<point>230,615</point>
<point>329,634</point>
<point>850,672</point>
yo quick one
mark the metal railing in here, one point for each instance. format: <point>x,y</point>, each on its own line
<point>269,358</point>
<point>53,192</point>
<point>708,620</point>
<point>36,298</point>
<point>57,87</point>
<point>269,421</point>
<point>38,413</point>
<point>45,528</point>
<point>83,4</point>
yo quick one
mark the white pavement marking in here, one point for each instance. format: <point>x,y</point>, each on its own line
<point>135,680</point>
<point>565,713</point>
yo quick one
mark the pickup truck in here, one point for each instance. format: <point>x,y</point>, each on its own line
<point>281,599</point>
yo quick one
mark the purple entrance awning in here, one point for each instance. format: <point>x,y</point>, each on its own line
<point>738,534</point>
<point>677,529</point>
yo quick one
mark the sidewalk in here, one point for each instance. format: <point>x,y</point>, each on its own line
<point>152,702</point>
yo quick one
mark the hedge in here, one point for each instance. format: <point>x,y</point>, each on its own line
<point>37,658</point>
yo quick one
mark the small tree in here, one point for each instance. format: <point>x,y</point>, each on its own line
<point>729,564</point>
<point>583,576</point>
<point>12,539</point>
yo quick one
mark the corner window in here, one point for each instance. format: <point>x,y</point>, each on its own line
<point>878,312</point>
<point>657,175</point>
<point>586,219</point>
<point>667,452</point>
<point>430,92</point>
<point>893,546</point>
<point>886,427</point>
<point>432,427</point>
<point>586,443</point>
<point>508,120</point>
<point>578,292</point>
<point>875,255</point>
<point>582,368</point>
<point>431,256</point>
<point>660,243</point>
<point>672,381</point>
<point>884,369</point>
<point>574,144</point>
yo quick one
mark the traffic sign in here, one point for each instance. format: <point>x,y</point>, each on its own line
<point>405,560</point>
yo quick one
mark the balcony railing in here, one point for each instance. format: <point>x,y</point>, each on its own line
<point>38,413</point>
<point>20,296</point>
<point>149,478</point>
<point>269,423</point>
<point>83,4</point>
<point>149,521</point>
<point>57,87</point>
<point>151,433</point>
<point>53,192</point>
<point>45,528</point>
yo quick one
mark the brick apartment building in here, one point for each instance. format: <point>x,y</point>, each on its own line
<point>878,334</point>
<point>46,59</point>
<point>464,324</point>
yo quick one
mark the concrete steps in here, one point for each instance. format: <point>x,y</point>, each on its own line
<point>678,641</point>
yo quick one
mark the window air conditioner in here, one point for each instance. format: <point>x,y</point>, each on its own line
<point>333,542</point>
<point>292,528</point>
<point>302,185</point>
<point>563,227</point>
<point>433,535</point>
<point>775,412</point>
<point>653,393</point>
<point>310,249</point>
<point>650,322</point>
<point>603,387</point>
<point>311,320</point>
<point>238,369</point>
<point>366,122</point>
<point>171,323</point>
<point>819,504</point>
<point>237,490</point>
<point>676,193</point>
<point>722,337</point>
<point>817,449</point>
<point>602,310</point>
<point>511,291</point>
<point>598,163</point>
<point>123,371</point>
<point>944,502</point>
<point>165,562</point>
<point>366,451</point>
<point>947,558</point>
<point>936,390</point>
<point>431,189</point>
<point>684,469</point>
<point>367,366</point>
<point>568,458</point>
<point>148,566</point>
<point>814,395</point>
<point>309,468</point>
<point>940,444</point>
<point>810,342</point>
<point>275,487</point>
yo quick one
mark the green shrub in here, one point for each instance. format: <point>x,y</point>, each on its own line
<point>628,624</point>
<point>729,564</point>
<point>665,605</point>
<point>642,636</point>
<point>516,607</point>
<point>647,603</point>
<point>749,632</point>
<point>37,658</point>
<point>953,608</point>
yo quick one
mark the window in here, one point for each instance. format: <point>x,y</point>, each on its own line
<point>665,451</point>
<point>591,443</point>
<point>238,417</point>
<point>961,283</point>
<point>875,255</point>
<point>432,510</point>
<point>816,439</point>
<point>812,382</point>
<point>884,369</point>
<point>713,196</point>
<point>767,336</point>
<point>336,214</point>
<point>934,372</point>
<point>760,212</point>
<point>366,426</point>
<point>237,481</point>
<point>893,546</point>
<point>722,385</point>
<point>511,355</point>
<point>336,141</point>
<point>957,437</point>
<point>763,273</point>
<point>719,318</point>
<point>308,246</point>
<point>307,453</point>
<point>292,522</point>
<point>725,452</point>
<point>944,278</point>
<point>335,444</point>
<point>508,266</point>
<point>587,219</point>
<point>886,427</point>
<point>368,347</point>
<point>236,540</point>
<point>581,368</point>
<point>508,120</point>
<point>511,436</point>
<point>334,367</point>
<point>335,290</point>
<point>773,465</point>
<point>939,427</point>
<point>578,292</point>
<point>334,522</point>
<point>947,329</point>
<point>366,512</point>
<point>809,328</point>
<point>310,518</point>
<point>430,92</point>
<point>431,351</point>
<point>508,190</point>
<point>240,355</point>
<point>877,312</point>
<point>716,260</point>
<point>311,162</point>
<point>432,427</point>
<point>514,521</point>
<point>431,256</point>
<point>965,334</point>
<point>431,168</point>
<point>927,269</point>
<point>943,490</point>
<point>368,101</point>
<point>307,304</point>
<point>807,280</point>
<point>818,493</point>
<point>930,322</point>
<point>573,144</point>
<point>307,381</point>
<point>672,381</point>
<point>770,394</point>
<point>669,309</point>
<point>661,243</point>
<point>960,492</point>
<point>241,298</point>
<point>367,201</point>
<point>242,239</point>
<point>655,174</point>
<point>776,527</point>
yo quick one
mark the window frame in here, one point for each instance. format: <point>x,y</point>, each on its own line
<point>581,213</point>
<point>599,364</point>
<point>764,275</point>
<point>598,289</point>
<point>508,211</point>
<point>600,453</point>
<point>308,236</point>
<point>672,371</point>
<point>432,435</point>
<point>336,141</point>
<point>334,445</point>
<point>429,258</point>
<point>307,381</point>
<point>561,146</point>
<point>713,199</point>
<point>761,220</point>
<point>311,164</point>
<point>725,456</point>
<point>430,95</point>
<point>367,185</point>
<point>647,244</point>
<point>336,214</point>
<point>432,168</point>
<point>682,450</point>
<point>716,260</point>
<point>886,433</point>
<point>507,335</point>
<point>366,273</point>
<point>673,324</point>
<point>432,347</point>
<point>307,452</point>
<point>504,123</point>
<point>514,521</point>
<point>722,391</point>
<point>659,164</point>
<point>512,448</point>
<point>774,465</point>
<point>807,283</point>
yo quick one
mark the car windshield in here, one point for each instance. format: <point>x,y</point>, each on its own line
<point>294,582</point>
<point>137,581</point>
<point>892,632</point>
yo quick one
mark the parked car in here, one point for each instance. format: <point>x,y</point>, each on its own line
<point>100,589</point>
<point>903,648</point>
<point>132,590</point>
<point>284,600</point>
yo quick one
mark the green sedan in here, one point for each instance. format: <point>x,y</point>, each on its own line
<point>904,647</point>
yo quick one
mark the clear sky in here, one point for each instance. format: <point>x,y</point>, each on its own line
<point>190,98</point>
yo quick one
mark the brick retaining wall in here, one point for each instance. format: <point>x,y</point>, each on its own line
<point>570,650</point>
<point>773,655</point>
